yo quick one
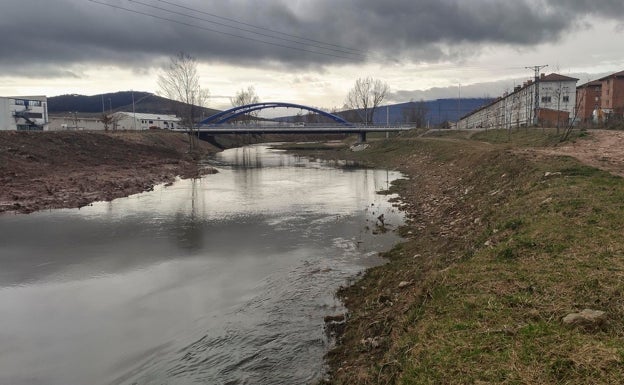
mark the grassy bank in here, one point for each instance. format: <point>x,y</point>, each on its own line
<point>503,242</point>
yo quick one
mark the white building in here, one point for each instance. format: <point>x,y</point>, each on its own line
<point>24,113</point>
<point>141,121</point>
<point>556,105</point>
<point>120,121</point>
<point>73,122</point>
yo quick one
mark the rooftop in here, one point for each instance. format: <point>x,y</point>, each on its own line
<point>614,75</point>
<point>556,78</point>
<point>593,83</point>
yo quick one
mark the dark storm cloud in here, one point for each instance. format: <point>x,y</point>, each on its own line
<point>44,34</point>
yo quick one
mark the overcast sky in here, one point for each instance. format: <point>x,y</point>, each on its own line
<point>306,51</point>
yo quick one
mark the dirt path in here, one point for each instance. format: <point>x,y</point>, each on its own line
<point>602,149</point>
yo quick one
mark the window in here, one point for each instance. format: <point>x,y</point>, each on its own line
<point>151,122</point>
<point>566,99</point>
<point>546,99</point>
<point>24,102</point>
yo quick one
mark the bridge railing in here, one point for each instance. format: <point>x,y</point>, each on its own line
<point>305,125</point>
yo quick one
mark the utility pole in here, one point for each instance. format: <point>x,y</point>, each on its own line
<point>133,111</point>
<point>537,70</point>
<point>458,102</point>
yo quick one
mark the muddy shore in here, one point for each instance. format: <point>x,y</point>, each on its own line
<point>47,170</point>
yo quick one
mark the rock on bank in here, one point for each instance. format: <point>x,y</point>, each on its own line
<point>44,170</point>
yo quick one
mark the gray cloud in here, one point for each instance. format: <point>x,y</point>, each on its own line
<point>478,90</point>
<point>47,36</point>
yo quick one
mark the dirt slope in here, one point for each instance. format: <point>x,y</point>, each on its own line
<point>42,170</point>
<point>603,149</point>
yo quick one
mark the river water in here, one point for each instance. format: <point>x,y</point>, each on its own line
<point>219,280</point>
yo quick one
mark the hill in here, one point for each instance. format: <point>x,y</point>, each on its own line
<point>144,102</point>
<point>436,112</point>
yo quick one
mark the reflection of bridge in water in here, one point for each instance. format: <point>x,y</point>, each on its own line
<point>217,123</point>
<point>319,128</point>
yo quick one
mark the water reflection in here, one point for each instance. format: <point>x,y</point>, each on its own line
<point>223,279</point>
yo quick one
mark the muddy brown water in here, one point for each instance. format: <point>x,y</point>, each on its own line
<point>219,280</point>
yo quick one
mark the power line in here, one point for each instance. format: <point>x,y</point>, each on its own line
<point>536,107</point>
<point>242,29</point>
<point>218,31</point>
<point>259,27</point>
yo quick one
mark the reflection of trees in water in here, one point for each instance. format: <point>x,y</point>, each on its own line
<point>189,227</point>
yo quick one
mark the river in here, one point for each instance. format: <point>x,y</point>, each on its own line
<point>219,280</point>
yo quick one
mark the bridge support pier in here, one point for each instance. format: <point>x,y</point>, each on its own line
<point>362,136</point>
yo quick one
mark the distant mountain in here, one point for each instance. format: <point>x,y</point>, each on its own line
<point>144,102</point>
<point>437,111</point>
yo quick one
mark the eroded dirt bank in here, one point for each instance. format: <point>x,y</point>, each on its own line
<point>44,170</point>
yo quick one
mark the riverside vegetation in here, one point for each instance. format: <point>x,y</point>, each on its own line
<point>504,240</point>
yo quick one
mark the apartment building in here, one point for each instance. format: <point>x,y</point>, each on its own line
<point>612,98</point>
<point>588,96</point>
<point>555,105</point>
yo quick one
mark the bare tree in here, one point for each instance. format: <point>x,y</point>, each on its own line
<point>244,97</point>
<point>180,81</point>
<point>416,113</point>
<point>365,96</point>
<point>109,120</point>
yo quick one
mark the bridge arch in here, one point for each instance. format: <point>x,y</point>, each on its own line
<point>224,116</point>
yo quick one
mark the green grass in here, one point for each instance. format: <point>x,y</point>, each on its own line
<point>489,297</point>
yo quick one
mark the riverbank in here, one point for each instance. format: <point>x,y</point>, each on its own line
<point>506,238</point>
<point>45,170</point>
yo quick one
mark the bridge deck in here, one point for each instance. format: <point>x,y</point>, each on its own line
<point>308,129</point>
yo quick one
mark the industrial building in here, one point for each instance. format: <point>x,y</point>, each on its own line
<point>141,121</point>
<point>118,121</point>
<point>554,106</point>
<point>24,113</point>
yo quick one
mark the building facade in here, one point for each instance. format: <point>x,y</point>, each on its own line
<point>141,121</point>
<point>24,113</point>
<point>612,98</point>
<point>73,122</point>
<point>556,98</point>
<point>118,121</point>
<point>588,96</point>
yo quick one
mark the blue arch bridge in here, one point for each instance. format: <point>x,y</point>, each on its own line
<point>218,123</point>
